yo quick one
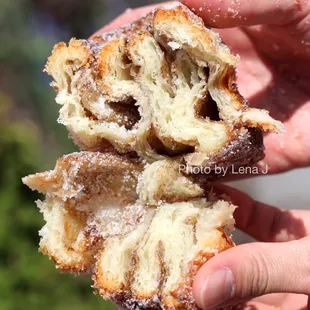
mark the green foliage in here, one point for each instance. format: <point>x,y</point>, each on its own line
<point>27,278</point>
<point>31,141</point>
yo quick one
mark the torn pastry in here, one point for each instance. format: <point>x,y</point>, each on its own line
<point>141,101</point>
<point>89,196</point>
<point>163,181</point>
<point>95,223</point>
<point>162,86</point>
<point>153,266</point>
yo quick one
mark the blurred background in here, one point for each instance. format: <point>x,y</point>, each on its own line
<point>31,141</point>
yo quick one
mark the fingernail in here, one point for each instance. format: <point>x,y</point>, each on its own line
<point>217,288</point>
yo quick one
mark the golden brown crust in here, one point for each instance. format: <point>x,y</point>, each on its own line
<point>94,224</point>
<point>85,175</point>
<point>69,255</point>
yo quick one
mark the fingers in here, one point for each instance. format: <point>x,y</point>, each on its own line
<point>264,222</point>
<point>227,13</point>
<point>233,13</point>
<point>283,301</point>
<point>128,17</point>
<point>252,270</point>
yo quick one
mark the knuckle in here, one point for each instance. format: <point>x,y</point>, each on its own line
<point>303,265</point>
<point>304,245</point>
<point>259,279</point>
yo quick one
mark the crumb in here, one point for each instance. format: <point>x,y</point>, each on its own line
<point>297,134</point>
<point>233,12</point>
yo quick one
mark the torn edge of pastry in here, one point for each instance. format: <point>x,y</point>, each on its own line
<point>97,223</point>
<point>162,86</point>
<point>153,266</point>
<point>164,182</point>
<point>89,196</point>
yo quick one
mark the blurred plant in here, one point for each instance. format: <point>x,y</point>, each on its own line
<point>26,43</point>
<point>27,278</point>
<point>31,141</point>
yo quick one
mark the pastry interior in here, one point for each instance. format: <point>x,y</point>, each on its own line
<point>162,86</point>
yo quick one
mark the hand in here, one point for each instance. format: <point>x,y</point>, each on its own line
<point>257,269</point>
<point>274,69</point>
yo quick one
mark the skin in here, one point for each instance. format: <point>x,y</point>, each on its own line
<point>273,39</point>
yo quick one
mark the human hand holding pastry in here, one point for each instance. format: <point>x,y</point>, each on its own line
<point>140,101</point>
<point>276,268</point>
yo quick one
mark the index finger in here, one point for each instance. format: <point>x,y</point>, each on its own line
<point>264,222</point>
<point>127,17</point>
<point>235,13</point>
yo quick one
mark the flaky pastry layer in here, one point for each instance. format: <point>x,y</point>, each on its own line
<point>162,86</point>
<point>142,252</point>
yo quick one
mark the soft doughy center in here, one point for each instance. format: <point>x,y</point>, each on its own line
<point>176,87</point>
<point>161,255</point>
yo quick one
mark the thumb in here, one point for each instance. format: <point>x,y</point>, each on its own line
<point>252,270</point>
<point>234,13</point>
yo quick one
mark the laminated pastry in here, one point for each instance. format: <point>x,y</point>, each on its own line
<point>153,266</point>
<point>164,181</point>
<point>162,86</point>
<point>141,102</point>
<point>89,196</point>
<point>96,223</point>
